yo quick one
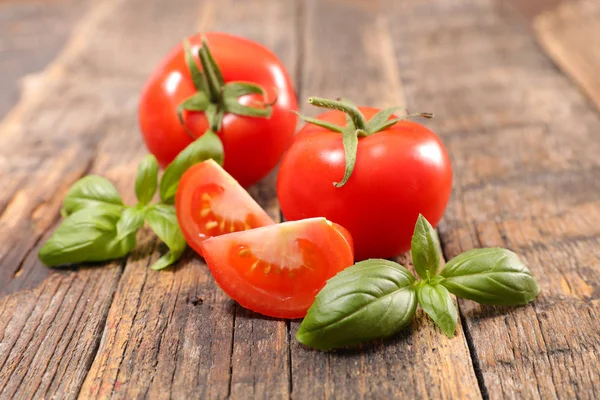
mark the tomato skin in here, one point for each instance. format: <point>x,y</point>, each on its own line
<point>399,173</point>
<point>253,146</point>
<point>277,293</point>
<point>208,178</point>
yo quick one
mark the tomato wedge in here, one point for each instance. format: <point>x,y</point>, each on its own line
<point>209,202</point>
<point>278,270</point>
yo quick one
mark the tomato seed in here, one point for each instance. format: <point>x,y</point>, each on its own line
<point>210,225</point>
<point>244,252</point>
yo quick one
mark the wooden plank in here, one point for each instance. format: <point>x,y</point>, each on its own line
<point>566,34</point>
<point>524,146</point>
<point>52,323</point>
<point>176,333</point>
<point>32,34</point>
<point>27,26</point>
<point>530,9</point>
<point>358,63</point>
<point>49,334</point>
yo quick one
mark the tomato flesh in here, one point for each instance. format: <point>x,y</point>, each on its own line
<point>209,202</point>
<point>278,270</point>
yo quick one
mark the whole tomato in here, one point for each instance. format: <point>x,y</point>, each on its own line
<point>224,83</point>
<point>390,170</point>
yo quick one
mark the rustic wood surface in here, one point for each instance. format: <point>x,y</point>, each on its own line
<point>524,139</point>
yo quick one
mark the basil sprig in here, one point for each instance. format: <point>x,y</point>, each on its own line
<point>355,305</point>
<point>98,226</point>
<point>377,298</point>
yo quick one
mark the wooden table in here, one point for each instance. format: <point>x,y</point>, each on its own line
<point>515,87</point>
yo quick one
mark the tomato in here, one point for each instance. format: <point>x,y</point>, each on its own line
<point>400,171</point>
<point>252,145</point>
<point>278,270</point>
<point>210,202</point>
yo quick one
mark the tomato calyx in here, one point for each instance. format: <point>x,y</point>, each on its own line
<point>213,96</point>
<point>356,126</point>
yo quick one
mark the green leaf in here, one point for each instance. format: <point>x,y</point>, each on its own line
<point>195,73</point>
<point>163,221</point>
<point>196,102</point>
<point>350,142</point>
<point>372,299</point>
<point>90,191</point>
<point>437,303</point>
<point>87,235</point>
<point>379,119</point>
<point>231,93</point>
<point>490,276</point>
<point>132,219</point>
<point>425,249</point>
<point>207,146</point>
<point>146,180</point>
<point>212,72</point>
<point>322,124</point>
<point>394,121</point>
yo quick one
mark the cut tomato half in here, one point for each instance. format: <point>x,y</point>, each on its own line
<point>210,202</point>
<point>278,270</point>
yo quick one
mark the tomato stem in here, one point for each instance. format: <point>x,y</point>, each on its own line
<point>214,96</point>
<point>356,127</point>
<point>358,119</point>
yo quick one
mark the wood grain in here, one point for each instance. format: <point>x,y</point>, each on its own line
<point>61,129</point>
<point>530,9</point>
<point>568,34</point>
<point>523,142</point>
<point>176,333</point>
<point>524,148</point>
<point>32,33</point>
<point>359,64</point>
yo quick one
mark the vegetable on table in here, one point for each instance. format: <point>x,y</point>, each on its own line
<point>377,298</point>
<point>237,91</point>
<point>278,269</point>
<point>98,226</point>
<point>367,170</point>
<point>210,202</point>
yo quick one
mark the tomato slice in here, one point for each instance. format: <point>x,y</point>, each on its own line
<point>278,270</point>
<point>210,202</point>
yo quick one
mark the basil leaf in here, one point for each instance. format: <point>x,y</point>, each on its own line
<point>425,249</point>
<point>372,299</point>
<point>89,191</point>
<point>146,179</point>
<point>163,222</point>
<point>437,303</point>
<point>207,146</point>
<point>131,220</point>
<point>87,235</point>
<point>490,276</point>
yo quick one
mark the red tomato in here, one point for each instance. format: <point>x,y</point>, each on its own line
<point>253,145</point>
<point>400,172</point>
<point>278,270</point>
<point>209,202</point>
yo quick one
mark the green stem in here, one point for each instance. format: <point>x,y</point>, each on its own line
<point>354,113</point>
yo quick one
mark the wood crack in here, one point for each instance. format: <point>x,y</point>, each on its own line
<point>234,312</point>
<point>468,336</point>
<point>72,336</point>
<point>46,332</point>
<point>132,322</point>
